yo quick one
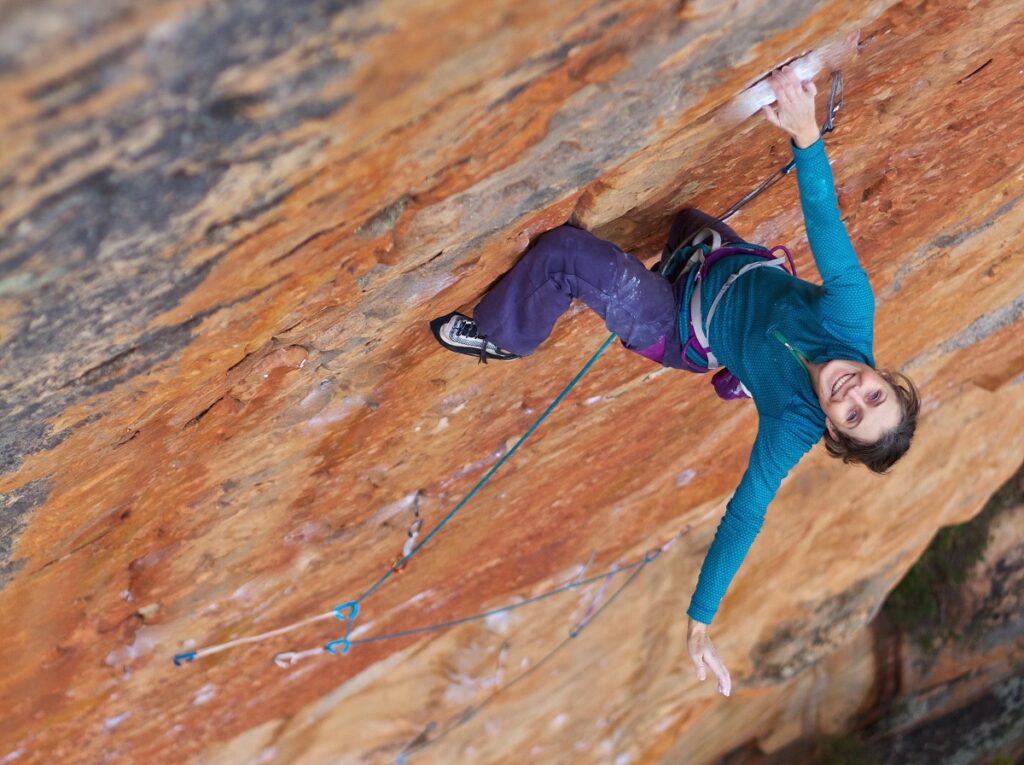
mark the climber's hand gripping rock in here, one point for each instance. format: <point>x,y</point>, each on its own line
<point>794,106</point>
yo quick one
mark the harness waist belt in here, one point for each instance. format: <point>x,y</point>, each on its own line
<point>701,326</point>
<point>702,259</point>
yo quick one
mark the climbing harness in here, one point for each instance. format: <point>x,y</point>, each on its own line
<point>699,254</point>
<point>695,352</point>
<point>703,258</point>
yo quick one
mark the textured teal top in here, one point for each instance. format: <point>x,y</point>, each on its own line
<point>833,320</point>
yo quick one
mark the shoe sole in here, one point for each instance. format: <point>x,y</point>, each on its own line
<point>438,323</point>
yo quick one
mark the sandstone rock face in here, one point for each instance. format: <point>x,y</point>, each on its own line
<point>224,228</point>
<point>963,699</point>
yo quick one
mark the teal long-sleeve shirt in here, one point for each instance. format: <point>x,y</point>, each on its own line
<point>832,320</point>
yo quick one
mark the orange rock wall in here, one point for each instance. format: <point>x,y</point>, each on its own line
<point>223,230</point>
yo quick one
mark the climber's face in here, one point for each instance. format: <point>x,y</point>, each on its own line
<point>857,401</point>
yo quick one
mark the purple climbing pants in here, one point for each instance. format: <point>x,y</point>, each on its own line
<point>639,305</point>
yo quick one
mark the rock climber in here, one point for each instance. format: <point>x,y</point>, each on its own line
<point>802,351</point>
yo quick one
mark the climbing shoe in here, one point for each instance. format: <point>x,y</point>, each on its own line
<point>460,334</point>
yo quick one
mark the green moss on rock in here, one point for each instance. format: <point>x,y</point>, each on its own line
<point>919,604</point>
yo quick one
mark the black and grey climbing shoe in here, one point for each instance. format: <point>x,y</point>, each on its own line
<point>460,334</point>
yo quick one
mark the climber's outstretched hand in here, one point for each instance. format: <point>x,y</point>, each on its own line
<point>705,658</point>
<point>794,106</point>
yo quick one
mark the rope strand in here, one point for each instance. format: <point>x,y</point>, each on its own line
<point>288,658</point>
<point>422,742</point>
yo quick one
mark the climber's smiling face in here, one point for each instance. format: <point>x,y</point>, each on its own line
<point>857,401</point>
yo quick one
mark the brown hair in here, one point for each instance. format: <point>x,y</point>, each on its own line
<point>883,453</point>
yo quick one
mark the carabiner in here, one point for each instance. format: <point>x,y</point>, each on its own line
<point>345,644</point>
<point>352,606</point>
<point>835,102</point>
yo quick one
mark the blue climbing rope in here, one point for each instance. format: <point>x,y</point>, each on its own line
<point>503,609</point>
<point>349,610</point>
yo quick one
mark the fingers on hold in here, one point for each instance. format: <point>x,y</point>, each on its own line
<point>784,91</point>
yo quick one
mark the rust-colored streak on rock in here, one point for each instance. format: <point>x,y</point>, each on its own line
<point>224,230</point>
